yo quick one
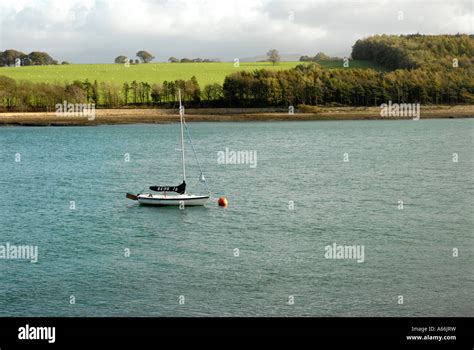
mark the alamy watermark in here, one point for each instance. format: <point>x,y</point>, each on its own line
<point>65,109</point>
<point>397,110</point>
<point>37,333</point>
<point>237,157</point>
<point>338,251</point>
<point>19,252</point>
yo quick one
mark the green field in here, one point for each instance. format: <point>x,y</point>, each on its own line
<point>153,72</point>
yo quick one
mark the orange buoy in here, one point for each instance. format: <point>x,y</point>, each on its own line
<point>223,202</point>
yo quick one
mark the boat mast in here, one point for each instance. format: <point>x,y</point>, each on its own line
<point>181,117</point>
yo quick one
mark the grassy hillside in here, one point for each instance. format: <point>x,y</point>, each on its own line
<point>205,73</point>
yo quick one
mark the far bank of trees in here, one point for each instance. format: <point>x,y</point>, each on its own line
<point>305,84</point>
<point>436,81</point>
<point>35,58</point>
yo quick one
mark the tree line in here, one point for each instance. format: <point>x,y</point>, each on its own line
<point>28,96</point>
<point>35,58</point>
<point>433,82</point>
<point>305,84</point>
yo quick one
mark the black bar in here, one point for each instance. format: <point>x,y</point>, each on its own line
<point>360,331</point>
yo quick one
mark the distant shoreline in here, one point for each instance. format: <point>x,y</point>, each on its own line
<point>152,116</point>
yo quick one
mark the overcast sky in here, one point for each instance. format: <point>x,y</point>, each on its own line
<point>96,31</point>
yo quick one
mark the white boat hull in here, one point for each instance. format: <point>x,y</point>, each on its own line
<point>172,200</point>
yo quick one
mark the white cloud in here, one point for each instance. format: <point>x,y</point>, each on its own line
<point>98,30</point>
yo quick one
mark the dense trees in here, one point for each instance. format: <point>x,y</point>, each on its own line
<point>27,96</point>
<point>416,50</point>
<point>35,58</point>
<point>213,92</point>
<point>8,57</point>
<point>310,84</point>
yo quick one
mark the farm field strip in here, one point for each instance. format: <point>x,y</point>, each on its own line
<point>206,73</point>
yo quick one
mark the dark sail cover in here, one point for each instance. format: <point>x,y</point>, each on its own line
<point>179,189</point>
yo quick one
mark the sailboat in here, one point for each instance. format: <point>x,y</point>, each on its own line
<point>179,196</point>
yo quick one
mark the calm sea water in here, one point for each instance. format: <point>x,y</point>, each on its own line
<point>407,252</point>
